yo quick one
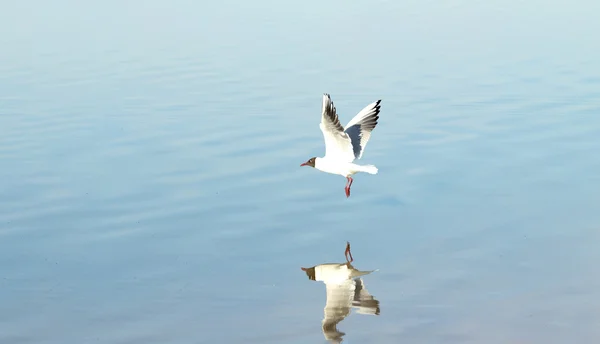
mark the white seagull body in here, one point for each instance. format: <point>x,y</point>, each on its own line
<point>343,145</point>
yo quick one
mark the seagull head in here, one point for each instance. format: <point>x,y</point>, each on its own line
<point>310,162</point>
<point>310,272</point>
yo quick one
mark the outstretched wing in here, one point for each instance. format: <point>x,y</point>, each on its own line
<point>360,127</point>
<point>338,144</point>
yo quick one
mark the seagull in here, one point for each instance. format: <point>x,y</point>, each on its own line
<point>345,290</point>
<point>345,144</point>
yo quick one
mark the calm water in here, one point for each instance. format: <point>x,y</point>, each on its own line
<point>150,188</point>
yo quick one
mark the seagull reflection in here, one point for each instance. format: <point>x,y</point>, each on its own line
<point>345,290</point>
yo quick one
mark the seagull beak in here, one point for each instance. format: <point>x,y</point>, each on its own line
<point>303,164</point>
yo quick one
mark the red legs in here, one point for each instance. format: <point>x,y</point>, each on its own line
<point>348,253</point>
<point>348,185</point>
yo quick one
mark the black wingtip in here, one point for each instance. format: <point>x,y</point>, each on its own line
<point>377,107</point>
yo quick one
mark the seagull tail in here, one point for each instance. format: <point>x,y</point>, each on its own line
<point>370,169</point>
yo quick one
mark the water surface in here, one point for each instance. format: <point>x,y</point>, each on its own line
<point>150,188</point>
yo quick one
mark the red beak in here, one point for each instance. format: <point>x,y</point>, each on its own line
<point>303,164</point>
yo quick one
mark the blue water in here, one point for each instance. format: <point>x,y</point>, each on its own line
<point>150,188</point>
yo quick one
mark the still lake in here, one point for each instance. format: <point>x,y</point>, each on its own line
<point>150,187</point>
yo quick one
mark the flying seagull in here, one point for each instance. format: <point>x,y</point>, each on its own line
<point>345,144</point>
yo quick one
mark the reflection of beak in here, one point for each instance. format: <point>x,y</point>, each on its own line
<point>304,164</point>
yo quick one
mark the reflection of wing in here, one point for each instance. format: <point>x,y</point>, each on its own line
<point>340,298</point>
<point>337,307</point>
<point>363,301</point>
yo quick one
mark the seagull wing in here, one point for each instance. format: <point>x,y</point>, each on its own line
<point>338,145</point>
<point>360,127</point>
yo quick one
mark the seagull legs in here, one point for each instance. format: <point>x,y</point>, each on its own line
<point>348,253</point>
<point>348,185</point>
